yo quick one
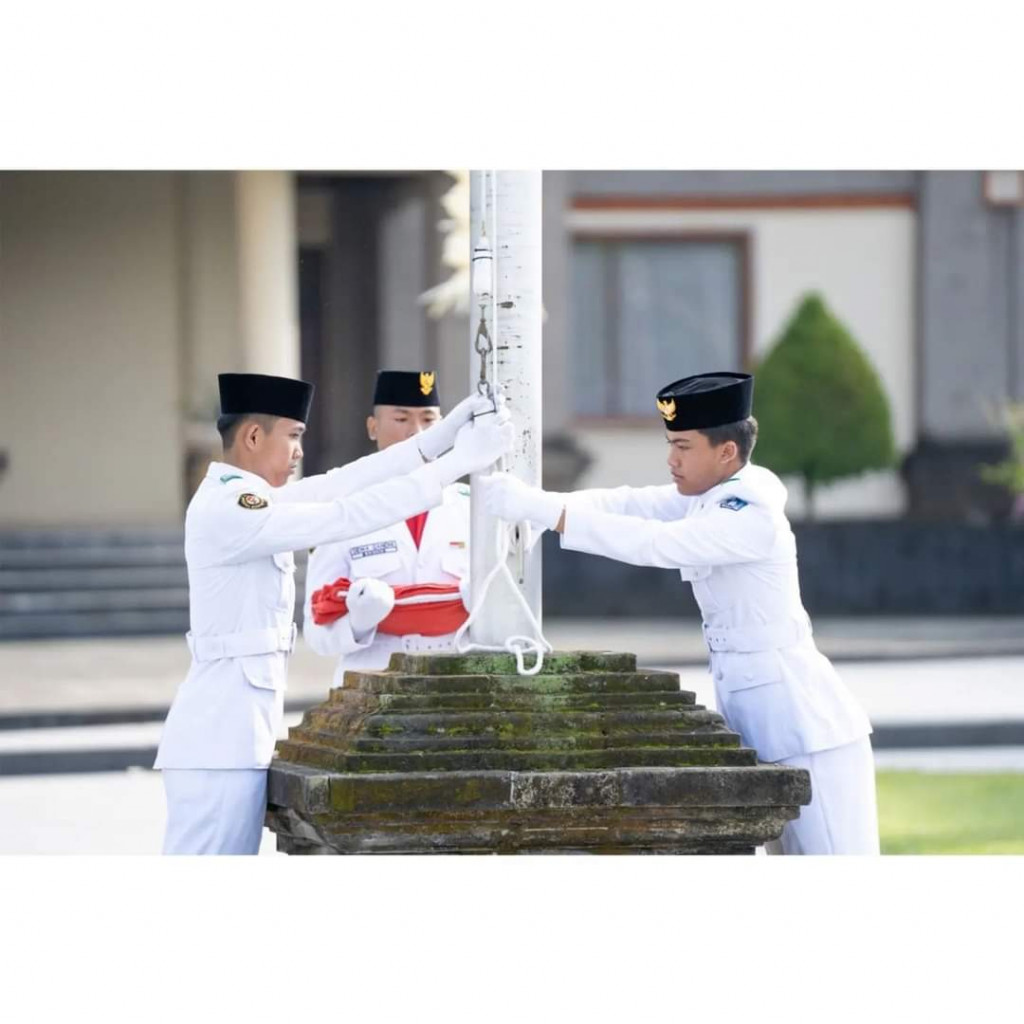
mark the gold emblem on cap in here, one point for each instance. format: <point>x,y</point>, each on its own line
<point>426,383</point>
<point>667,409</point>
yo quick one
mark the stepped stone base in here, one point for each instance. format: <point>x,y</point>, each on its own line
<point>458,754</point>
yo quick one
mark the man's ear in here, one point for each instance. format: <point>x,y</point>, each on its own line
<point>251,435</point>
<point>371,427</point>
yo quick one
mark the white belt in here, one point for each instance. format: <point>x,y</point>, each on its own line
<point>770,636</point>
<point>241,645</point>
<point>414,643</point>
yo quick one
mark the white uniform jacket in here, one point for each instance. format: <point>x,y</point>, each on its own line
<point>389,554</point>
<point>227,712</point>
<point>735,546</point>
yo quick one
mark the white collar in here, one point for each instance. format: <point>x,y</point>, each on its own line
<point>712,492</point>
<point>224,471</point>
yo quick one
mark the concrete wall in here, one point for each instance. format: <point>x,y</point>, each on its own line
<point>121,297</point>
<point>557,245</point>
<point>862,260</point>
<point>846,568</point>
<point>403,275</point>
<point>211,326</point>
<point>972,306</point>
<point>90,326</point>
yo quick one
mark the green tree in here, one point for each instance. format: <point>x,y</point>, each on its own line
<point>821,408</point>
<point>1010,472</point>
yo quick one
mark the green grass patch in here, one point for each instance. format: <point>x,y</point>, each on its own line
<point>921,812</point>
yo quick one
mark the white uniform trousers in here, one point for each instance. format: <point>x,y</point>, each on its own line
<point>842,817</point>
<point>214,811</point>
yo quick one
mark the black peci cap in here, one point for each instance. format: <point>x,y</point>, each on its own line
<point>242,393</point>
<point>706,400</point>
<point>411,388</point>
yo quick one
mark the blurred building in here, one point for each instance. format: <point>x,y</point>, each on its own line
<point>651,274</point>
<point>123,293</point>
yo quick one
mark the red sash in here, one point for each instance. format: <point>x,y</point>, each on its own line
<point>425,609</point>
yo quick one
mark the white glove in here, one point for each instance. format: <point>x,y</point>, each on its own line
<point>508,498</point>
<point>437,439</point>
<point>478,445</point>
<point>369,602</point>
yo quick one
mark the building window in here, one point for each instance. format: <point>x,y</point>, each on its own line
<point>648,311</point>
<point>1004,188</point>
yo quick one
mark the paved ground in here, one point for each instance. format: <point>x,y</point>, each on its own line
<point>98,813</point>
<point>952,759</point>
<point>842,639</point>
<point>958,690</point>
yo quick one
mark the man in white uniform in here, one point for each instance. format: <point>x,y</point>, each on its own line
<point>432,547</point>
<point>721,524</point>
<point>240,530</point>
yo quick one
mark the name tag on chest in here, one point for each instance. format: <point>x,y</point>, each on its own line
<point>384,547</point>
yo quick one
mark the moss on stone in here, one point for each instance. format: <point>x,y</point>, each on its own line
<point>556,663</point>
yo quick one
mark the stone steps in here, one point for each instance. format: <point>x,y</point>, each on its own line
<point>62,557</point>
<point>558,663</point>
<point>455,754</point>
<point>330,759</point>
<point>566,718</point>
<point>115,582</point>
<point>77,577</point>
<point>365,744</point>
<point>508,723</point>
<point>125,598</point>
<point>395,703</point>
<point>47,625</point>
<point>568,682</point>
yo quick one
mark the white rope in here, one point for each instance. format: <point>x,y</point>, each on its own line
<point>342,595</point>
<point>516,645</point>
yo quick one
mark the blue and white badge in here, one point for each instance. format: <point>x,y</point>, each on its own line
<point>733,504</point>
<point>384,547</point>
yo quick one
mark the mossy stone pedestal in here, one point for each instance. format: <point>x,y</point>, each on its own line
<point>458,754</point>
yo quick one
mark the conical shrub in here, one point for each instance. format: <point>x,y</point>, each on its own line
<point>820,405</point>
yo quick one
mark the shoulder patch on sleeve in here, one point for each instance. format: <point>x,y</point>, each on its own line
<point>733,504</point>
<point>252,501</point>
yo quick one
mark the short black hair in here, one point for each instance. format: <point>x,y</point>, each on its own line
<point>227,426</point>
<point>743,433</point>
<point>375,410</point>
